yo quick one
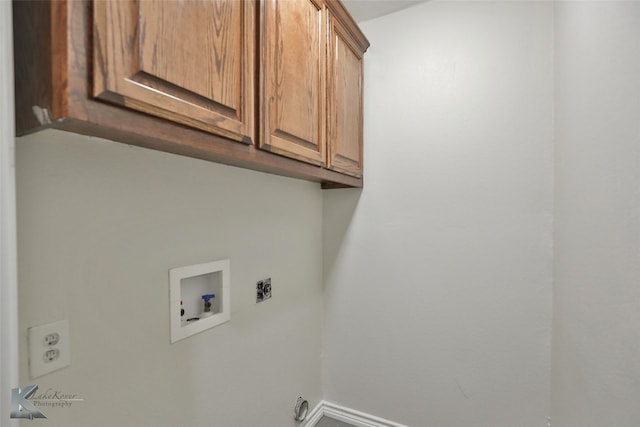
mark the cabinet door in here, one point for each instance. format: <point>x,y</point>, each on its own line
<point>293,79</point>
<point>191,62</point>
<point>345,102</point>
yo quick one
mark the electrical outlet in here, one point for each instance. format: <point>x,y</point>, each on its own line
<point>51,339</point>
<point>266,290</point>
<point>263,290</point>
<point>49,348</point>
<point>51,355</point>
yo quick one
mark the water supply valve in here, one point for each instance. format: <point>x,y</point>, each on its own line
<point>206,312</point>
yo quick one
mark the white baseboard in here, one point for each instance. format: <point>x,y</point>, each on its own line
<point>347,415</point>
<point>314,416</point>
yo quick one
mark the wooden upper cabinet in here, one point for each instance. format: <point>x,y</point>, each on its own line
<point>191,62</point>
<point>194,77</point>
<point>293,79</point>
<point>345,74</point>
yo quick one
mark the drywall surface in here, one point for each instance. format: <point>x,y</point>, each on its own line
<point>99,226</point>
<point>596,336</point>
<point>8,270</point>
<point>438,274</point>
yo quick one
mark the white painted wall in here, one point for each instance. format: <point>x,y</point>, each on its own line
<point>438,274</point>
<point>596,338</point>
<point>8,273</point>
<point>99,226</point>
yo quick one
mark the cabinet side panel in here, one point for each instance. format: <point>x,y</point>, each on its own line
<point>32,63</point>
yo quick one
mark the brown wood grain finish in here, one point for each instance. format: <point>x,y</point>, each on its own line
<point>340,13</point>
<point>189,62</point>
<point>54,55</point>
<point>292,84</point>
<point>34,76</point>
<point>345,106</point>
<point>194,47</point>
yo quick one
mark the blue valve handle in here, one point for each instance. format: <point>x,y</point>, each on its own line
<point>207,297</point>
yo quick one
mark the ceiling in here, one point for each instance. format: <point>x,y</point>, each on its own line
<point>363,10</point>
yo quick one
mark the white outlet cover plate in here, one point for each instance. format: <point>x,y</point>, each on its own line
<point>37,348</point>
<point>179,331</point>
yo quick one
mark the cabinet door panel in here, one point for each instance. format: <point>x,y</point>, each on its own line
<point>293,79</point>
<point>345,106</point>
<point>191,62</point>
<point>204,60</point>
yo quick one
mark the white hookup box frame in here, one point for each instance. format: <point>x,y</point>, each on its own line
<point>187,283</point>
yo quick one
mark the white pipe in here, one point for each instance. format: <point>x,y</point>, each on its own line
<point>8,262</point>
